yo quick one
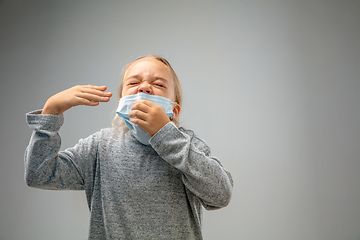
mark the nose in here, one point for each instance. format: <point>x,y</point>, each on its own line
<point>145,88</point>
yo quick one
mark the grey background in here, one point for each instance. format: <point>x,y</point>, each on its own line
<point>272,86</point>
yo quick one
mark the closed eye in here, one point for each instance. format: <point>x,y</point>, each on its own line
<point>131,83</point>
<point>159,83</point>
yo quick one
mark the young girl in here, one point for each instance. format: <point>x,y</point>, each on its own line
<point>139,185</point>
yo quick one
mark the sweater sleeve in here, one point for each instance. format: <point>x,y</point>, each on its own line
<point>202,173</point>
<point>45,166</point>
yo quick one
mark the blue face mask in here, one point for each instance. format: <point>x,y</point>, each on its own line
<point>124,108</point>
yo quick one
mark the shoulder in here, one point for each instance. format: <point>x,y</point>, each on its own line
<point>197,141</point>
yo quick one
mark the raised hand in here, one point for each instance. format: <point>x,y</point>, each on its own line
<point>88,95</point>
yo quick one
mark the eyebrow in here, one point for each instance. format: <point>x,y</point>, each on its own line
<point>133,76</point>
<point>139,78</point>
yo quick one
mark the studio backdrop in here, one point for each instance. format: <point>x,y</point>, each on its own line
<point>273,86</point>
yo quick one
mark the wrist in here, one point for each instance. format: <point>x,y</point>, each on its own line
<point>49,109</point>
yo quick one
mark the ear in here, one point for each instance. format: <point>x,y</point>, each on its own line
<point>176,111</point>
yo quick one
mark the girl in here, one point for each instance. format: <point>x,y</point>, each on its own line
<point>138,186</point>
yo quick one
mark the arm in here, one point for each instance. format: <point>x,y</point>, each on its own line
<point>203,174</point>
<point>45,167</point>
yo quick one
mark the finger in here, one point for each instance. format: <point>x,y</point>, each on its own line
<point>91,103</point>
<point>92,97</point>
<point>138,114</point>
<point>141,106</point>
<point>147,103</point>
<point>86,102</point>
<point>141,123</point>
<point>101,88</point>
<point>96,92</point>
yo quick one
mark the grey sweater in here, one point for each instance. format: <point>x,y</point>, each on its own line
<point>133,191</point>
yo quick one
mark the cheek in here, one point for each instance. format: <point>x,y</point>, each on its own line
<point>171,92</point>
<point>171,95</point>
<point>128,91</point>
<point>164,93</point>
<point>168,92</point>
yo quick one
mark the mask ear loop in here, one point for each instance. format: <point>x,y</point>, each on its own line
<point>173,103</point>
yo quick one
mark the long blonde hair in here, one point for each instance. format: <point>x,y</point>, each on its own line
<point>117,121</point>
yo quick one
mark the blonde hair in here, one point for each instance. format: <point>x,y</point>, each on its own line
<point>117,121</point>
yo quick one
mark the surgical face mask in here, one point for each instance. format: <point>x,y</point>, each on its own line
<point>124,108</point>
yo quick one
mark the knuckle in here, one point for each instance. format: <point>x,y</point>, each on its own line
<point>134,120</point>
<point>136,105</point>
<point>133,113</point>
<point>83,100</point>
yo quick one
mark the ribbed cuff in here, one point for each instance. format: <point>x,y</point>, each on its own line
<point>38,121</point>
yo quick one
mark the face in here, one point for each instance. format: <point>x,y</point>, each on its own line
<point>149,76</point>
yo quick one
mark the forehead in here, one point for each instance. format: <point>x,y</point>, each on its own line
<point>149,67</point>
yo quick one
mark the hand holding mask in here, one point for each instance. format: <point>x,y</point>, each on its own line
<point>144,114</point>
